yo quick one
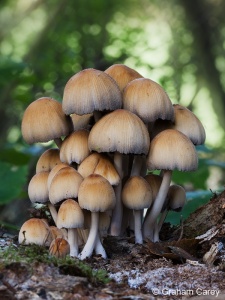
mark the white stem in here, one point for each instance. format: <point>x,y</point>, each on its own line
<point>117,214</point>
<point>53,212</point>
<point>137,226</point>
<point>158,225</point>
<point>151,218</point>
<point>99,249</point>
<point>73,241</point>
<point>93,233</point>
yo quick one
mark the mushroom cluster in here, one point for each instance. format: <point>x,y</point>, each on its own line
<point>99,179</point>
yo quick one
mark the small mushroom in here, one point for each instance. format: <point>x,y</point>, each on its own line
<point>97,195</point>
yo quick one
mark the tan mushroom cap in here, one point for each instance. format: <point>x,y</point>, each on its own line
<point>188,123</point>
<point>147,99</point>
<point>48,160</point>
<point>59,247</point>
<point>34,231</point>
<point>70,215</point>
<point>121,131</point>
<point>171,149</point>
<point>122,74</point>
<point>96,194</point>
<point>98,163</point>
<point>53,172</point>
<point>155,182</point>
<point>38,189</point>
<point>64,185</point>
<point>90,90</point>
<point>75,147</point>
<point>44,120</point>
<point>137,193</point>
<point>176,197</point>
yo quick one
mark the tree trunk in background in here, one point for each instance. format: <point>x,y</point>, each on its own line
<point>207,38</point>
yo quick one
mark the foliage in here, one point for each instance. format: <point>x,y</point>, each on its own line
<point>31,254</point>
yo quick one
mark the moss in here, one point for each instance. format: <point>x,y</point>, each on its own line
<point>30,254</point>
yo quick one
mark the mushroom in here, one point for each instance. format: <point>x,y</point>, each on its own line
<point>65,184</point>
<point>70,216</point>
<point>120,132</point>
<point>122,74</point>
<point>169,150</point>
<point>97,195</point>
<point>44,120</point>
<point>137,195</point>
<point>48,160</point>
<point>89,91</point>
<point>38,192</point>
<point>175,201</point>
<point>59,247</point>
<point>147,99</point>
<point>35,231</point>
<point>74,148</point>
<point>80,122</point>
<point>53,172</point>
<point>99,163</point>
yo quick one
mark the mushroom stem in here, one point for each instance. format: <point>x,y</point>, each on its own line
<point>151,218</point>
<point>99,249</point>
<point>58,142</point>
<point>117,214</point>
<point>137,226</point>
<point>92,237</point>
<point>53,212</point>
<point>159,224</point>
<point>73,241</point>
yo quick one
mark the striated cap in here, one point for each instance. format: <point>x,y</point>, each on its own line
<point>75,147</point>
<point>137,193</point>
<point>188,123</point>
<point>70,215</point>
<point>65,184</point>
<point>99,163</point>
<point>38,189</point>
<point>122,74</point>
<point>171,149</point>
<point>44,120</point>
<point>91,90</point>
<point>147,99</point>
<point>121,131</point>
<point>48,160</point>
<point>96,194</point>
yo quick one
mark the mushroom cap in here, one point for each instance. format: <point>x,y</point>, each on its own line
<point>70,215</point>
<point>38,189</point>
<point>99,163</point>
<point>121,131</point>
<point>171,149</point>
<point>34,231</point>
<point>48,160</point>
<point>74,148</point>
<point>53,172</point>
<point>188,123</point>
<point>96,194</point>
<point>44,120</point>
<point>155,182</point>
<point>59,247</point>
<point>90,90</point>
<point>136,193</point>
<point>176,197</point>
<point>147,99</point>
<point>122,74</point>
<point>65,184</point>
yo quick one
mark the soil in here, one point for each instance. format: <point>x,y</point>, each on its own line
<point>182,266</point>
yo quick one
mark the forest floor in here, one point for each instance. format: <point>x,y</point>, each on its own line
<point>184,265</point>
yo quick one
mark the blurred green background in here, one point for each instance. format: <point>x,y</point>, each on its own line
<point>179,44</point>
